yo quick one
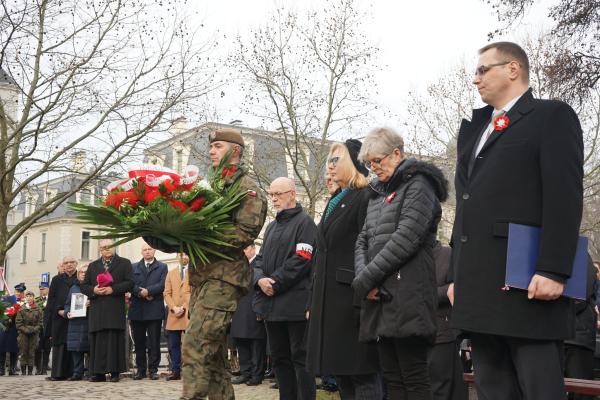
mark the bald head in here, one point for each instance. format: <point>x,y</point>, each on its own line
<point>69,265</point>
<point>283,193</point>
<point>106,248</point>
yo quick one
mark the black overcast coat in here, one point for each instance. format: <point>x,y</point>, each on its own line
<point>333,346</point>
<point>394,253</point>
<point>57,296</point>
<point>280,259</point>
<point>108,312</point>
<point>530,173</point>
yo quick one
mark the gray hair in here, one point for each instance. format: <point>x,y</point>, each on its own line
<point>382,140</point>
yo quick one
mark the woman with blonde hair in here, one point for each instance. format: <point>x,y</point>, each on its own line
<point>333,346</point>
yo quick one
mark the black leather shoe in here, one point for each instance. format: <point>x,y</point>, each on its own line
<point>98,378</point>
<point>238,380</point>
<point>74,378</point>
<point>175,376</point>
<point>274,386</point>
<point>114,378</point>
<point>253,382</point>
<point>53,379</point>
<point>137,377</point>
<point>153,376</point>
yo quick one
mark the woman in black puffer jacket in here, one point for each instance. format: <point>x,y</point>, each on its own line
<point>395,271</point>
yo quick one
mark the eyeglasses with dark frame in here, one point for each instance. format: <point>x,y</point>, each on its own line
<point>278,194</point>
<point>333,161</point>
<point>483,69</point>
<point>369,164</point>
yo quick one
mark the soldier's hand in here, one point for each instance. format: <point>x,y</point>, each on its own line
<point>266,285</point>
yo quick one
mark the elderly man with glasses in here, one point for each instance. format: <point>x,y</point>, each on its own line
<point>281,276</point>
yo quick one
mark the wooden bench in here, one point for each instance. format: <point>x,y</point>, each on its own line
<point>580,386</point>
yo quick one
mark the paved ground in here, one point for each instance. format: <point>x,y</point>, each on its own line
<point>36,388</point>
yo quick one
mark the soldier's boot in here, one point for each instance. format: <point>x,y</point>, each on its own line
<point>23,370</point>
<point>30,370</point>
<point>2,363</point>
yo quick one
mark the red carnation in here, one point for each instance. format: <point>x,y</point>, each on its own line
<point>197,204</point>
<point>178,204</point>
<point>151,195</point>
<point>131,198</point>
<point>167,186</point>
<point>228,171</point>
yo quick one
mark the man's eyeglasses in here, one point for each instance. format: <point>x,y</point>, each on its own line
<point>333,161</point>
<point>278,194</point>
<point>483,69</point>
<point>377,161</point>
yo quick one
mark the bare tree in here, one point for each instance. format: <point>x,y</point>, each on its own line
<point>309,77</point>
<point>95,75</point>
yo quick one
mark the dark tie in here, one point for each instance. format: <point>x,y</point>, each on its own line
<point>147,266</point>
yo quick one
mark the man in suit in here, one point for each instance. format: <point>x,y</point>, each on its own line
<point>106,314</point>
<point>519,160</point>
<point>177,296</point>
<point>146,311</point>
<point>249,336</point>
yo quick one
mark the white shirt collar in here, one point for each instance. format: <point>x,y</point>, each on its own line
<point>508,105</point>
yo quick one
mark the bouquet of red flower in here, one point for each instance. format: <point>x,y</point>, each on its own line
<point>179,210</point>
<point>8,309</point>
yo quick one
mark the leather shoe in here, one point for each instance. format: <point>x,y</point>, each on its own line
<point>137,377</point>
<point>53,379</point>
<point>98,378</point>
<point>74,378</point>
<point>114,378</point>
<point>253,382</point>
<point>153,376</point>
<point>238,380</point>
<point>175,376</point>
<point>274,386</point>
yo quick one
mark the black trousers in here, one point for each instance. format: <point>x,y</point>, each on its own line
<point>405,367</point>
<point>42,354</point>
<point>359,387</point>
<point>146,339</point>
<point>579,364</point>
<point>445,372</point>
<point>509,368</point>
<point>287,341</point>
<point>252,354</point>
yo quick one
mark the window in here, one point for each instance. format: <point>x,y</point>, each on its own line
<point>85,245</point>
<point>30,203</point>
<point>43,247</point>
<point>179,161</point>
<point>86,196</point>
<point>24,250</point>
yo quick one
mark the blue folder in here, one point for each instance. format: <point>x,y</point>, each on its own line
<point>522,254</point>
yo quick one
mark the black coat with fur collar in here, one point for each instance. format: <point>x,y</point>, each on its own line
<point>394,253</point>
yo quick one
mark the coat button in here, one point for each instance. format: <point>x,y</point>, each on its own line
<point>464,239</point>
<point>466,196</point>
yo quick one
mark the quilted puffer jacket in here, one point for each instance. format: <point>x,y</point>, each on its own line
<point>394,253</point>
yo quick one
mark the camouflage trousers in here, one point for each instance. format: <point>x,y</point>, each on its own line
<point>27,347</point>
<point>205,369</point>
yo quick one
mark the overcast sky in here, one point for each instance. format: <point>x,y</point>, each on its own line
<point>418,40</point>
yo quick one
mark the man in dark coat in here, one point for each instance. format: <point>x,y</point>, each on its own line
<point>62,367</point>
<point>249,336</point>
<point>107,312</point>
<point>281,277</point>
<point>147,311</point>
<point>445,369</point>
<point>520,160</point>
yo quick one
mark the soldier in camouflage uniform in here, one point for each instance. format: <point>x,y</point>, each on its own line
<point>29,324</point>
<point>217,287</point>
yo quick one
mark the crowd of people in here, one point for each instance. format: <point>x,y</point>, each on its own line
<point>368,297</point>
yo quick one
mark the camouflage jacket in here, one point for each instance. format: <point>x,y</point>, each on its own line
<point>248,219</point>
<point>29,320</point>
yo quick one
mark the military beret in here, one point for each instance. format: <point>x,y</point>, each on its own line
<point>44,285</point>
<point>227,135</point>
<point>21,287</point>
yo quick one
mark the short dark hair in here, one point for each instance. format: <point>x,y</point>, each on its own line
<point>510,50</point>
